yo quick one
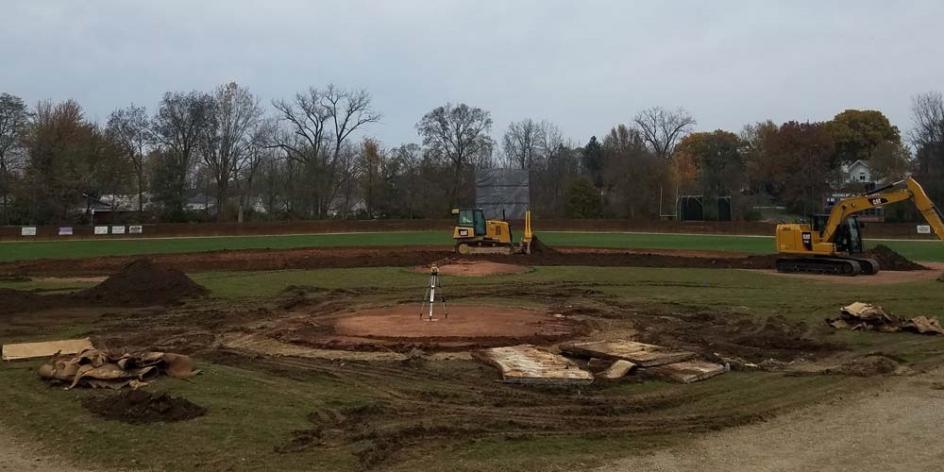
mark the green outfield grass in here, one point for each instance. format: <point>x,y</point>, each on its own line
<point>932,251</point>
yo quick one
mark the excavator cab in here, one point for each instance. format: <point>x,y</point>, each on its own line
<point>848,237</point>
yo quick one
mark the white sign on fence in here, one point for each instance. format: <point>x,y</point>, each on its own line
<point>101,230</point>
<point>118,229</point>
<point>924,229</point>
<point>135,229</point>
<point>65,231</point>
<point>28,231</point>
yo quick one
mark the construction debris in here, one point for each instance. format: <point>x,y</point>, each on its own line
<point>617,370</point>
<point>688,371</point>
<point>864,316</point>
<point>44,349</point>
<point>99,369</point>
<point>529,365</point>
<point>641,354</point>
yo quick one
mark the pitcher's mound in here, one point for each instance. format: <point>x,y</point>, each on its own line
<point>466,327</point>
<point>476,268</point>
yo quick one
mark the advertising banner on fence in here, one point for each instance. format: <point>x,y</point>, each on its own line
<point>135,229</point>
<point>101,230</point>
<point>118,229</point>
<point>924,229</point>
<point>65,231</point>
<point>28,231</point>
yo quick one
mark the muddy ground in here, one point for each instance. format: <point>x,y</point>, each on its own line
<point>420,402</point>
<point>411,256</point>
<point>417,400</point>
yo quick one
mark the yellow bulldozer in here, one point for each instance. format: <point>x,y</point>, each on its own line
<point>474,234</point>
<point>832,244</point>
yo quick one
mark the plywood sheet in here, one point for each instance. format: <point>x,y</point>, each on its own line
<point>44,349</point>
<point>688,371</point>
<point>641,354</point>
<point>530,365</point>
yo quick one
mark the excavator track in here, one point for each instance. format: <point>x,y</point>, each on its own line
<point>827,265</point>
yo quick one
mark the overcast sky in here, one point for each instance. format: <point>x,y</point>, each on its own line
<point>584,65</point>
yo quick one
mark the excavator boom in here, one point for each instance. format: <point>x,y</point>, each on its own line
<point>930,212</point>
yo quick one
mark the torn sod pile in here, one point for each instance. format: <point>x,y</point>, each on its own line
<point>99,369</point>
<point>864,316</point>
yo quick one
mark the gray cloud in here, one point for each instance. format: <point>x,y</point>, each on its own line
<point>584,65</point>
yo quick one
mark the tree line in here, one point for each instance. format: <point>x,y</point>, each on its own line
<point>311,156</point>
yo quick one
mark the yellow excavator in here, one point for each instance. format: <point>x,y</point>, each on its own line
<point>474,234</point>
<point>832,244</point>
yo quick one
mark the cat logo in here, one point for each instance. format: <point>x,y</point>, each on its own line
<point>879,201</point>
<point>807,239</point>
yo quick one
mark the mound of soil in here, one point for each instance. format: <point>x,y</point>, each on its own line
<point>401,328</point>
<point>144,283</point>
<point>888,259</point>
<point>140,407</point>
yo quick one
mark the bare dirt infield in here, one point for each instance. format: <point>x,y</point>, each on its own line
<point>463,322</point>
<point>469,268</point>
<point>400,328</point>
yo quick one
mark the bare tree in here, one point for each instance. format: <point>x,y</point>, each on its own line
<point>320,118</point>
<point>226,141</point>
<point>927,137</point>
<point>662,129</point>
<point>178,127</point>
<point>523,142</point>
<point>460,134</point>
<point>130,130</point>
<point>259,150</point>
<point>14,122</point>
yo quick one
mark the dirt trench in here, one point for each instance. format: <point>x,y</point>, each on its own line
<point>414,256</point>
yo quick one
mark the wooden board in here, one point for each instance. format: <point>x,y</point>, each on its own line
<point>688,371</point>
<point>530,365</point>
<point>44,349</point>
<point>641,354</point>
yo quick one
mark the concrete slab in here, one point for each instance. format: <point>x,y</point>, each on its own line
<point>688,371</point>
<point>44,349</point>
<point>641,354</point>
<point>527,364</point>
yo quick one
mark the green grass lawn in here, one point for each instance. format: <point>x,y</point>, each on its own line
<point>931,251</point>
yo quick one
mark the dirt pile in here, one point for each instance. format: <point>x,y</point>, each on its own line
<point>868,366</point>
<point>143,283</point>
<point>140,407</point>
<point>538,247</point>
<point>888,259</point>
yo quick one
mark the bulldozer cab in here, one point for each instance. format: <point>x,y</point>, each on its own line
<point>473,218</point>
